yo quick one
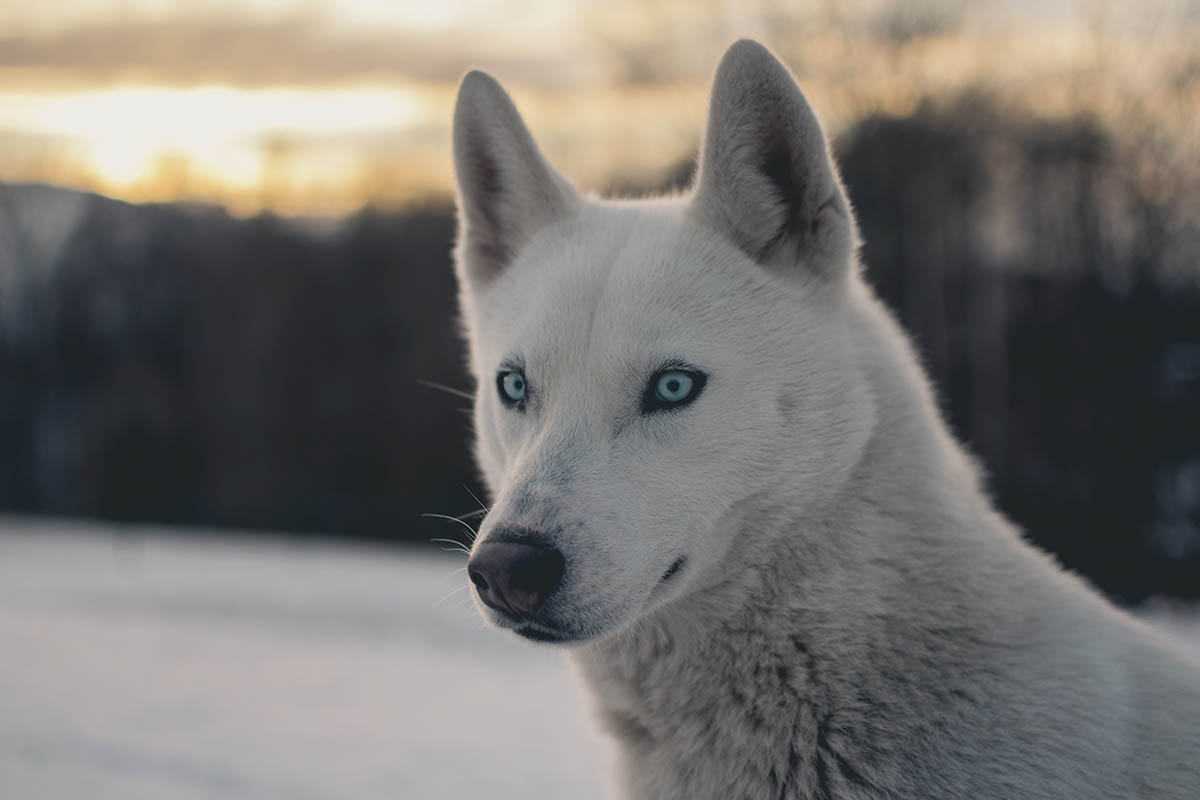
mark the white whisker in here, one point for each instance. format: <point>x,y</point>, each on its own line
<point>470,531</point>
<point>447,389</point>
<point>450,594</point>
<point>482,505</point>
<point>459,547</point>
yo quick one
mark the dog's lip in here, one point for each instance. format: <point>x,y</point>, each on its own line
<point>547,635</point>
<point>532,629</point>
<point>536,633</point>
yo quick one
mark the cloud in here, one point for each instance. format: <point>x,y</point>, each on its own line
<point>293,51</point>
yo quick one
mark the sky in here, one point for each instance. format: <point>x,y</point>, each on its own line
<point>315,106</point>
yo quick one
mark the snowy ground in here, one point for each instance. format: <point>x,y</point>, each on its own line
<point>135,664</point>
<point>143,665</point>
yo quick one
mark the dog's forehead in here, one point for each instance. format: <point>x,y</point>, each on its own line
<point>633,277</point>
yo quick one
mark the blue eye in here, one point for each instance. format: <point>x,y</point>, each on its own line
<point>511,384</point>
<point>672,388</point>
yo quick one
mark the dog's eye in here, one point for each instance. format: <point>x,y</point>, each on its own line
<point>672,388</point>
<point>511,384</point>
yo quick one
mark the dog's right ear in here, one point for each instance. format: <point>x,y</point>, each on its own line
<point>506,188</point>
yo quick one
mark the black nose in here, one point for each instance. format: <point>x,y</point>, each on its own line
<point>515,577</point>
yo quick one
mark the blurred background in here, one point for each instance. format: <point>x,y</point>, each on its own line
<point>225,227</point>
<point>225,290</point>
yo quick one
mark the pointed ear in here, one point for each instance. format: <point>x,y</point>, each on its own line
<point>766,179</point>
<point>506,189</point>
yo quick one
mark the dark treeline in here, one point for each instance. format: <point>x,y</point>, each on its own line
<point>175,364</point>
<point>179,365</point>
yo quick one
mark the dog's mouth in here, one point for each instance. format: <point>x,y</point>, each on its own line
<point>538,634</point>
<point>673,569</point>
<point>543,633</point>
<point>546,635</point>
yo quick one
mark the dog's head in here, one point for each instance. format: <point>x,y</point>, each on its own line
<point>645,369</point>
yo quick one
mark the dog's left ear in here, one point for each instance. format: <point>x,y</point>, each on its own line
<point>506,188</point>
<point>766,179</point>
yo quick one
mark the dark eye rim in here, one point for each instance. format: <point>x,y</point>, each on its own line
<point>507,401</point>
<point>651,403</point>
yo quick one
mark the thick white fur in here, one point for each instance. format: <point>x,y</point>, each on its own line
<point>853,619</point>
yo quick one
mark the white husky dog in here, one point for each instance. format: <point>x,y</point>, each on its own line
<point>719,476</point>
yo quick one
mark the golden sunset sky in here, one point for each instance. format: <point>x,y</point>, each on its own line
<point>316,106</point>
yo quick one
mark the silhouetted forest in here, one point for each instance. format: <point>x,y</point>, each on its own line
<point>176,364</point>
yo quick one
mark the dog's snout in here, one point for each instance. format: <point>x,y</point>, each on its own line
<point>515,577</point>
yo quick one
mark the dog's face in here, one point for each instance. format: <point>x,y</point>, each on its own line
<point>645,369</point>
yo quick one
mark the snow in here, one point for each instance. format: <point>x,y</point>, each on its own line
<point>137,664</point>
<point>140,664</point>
